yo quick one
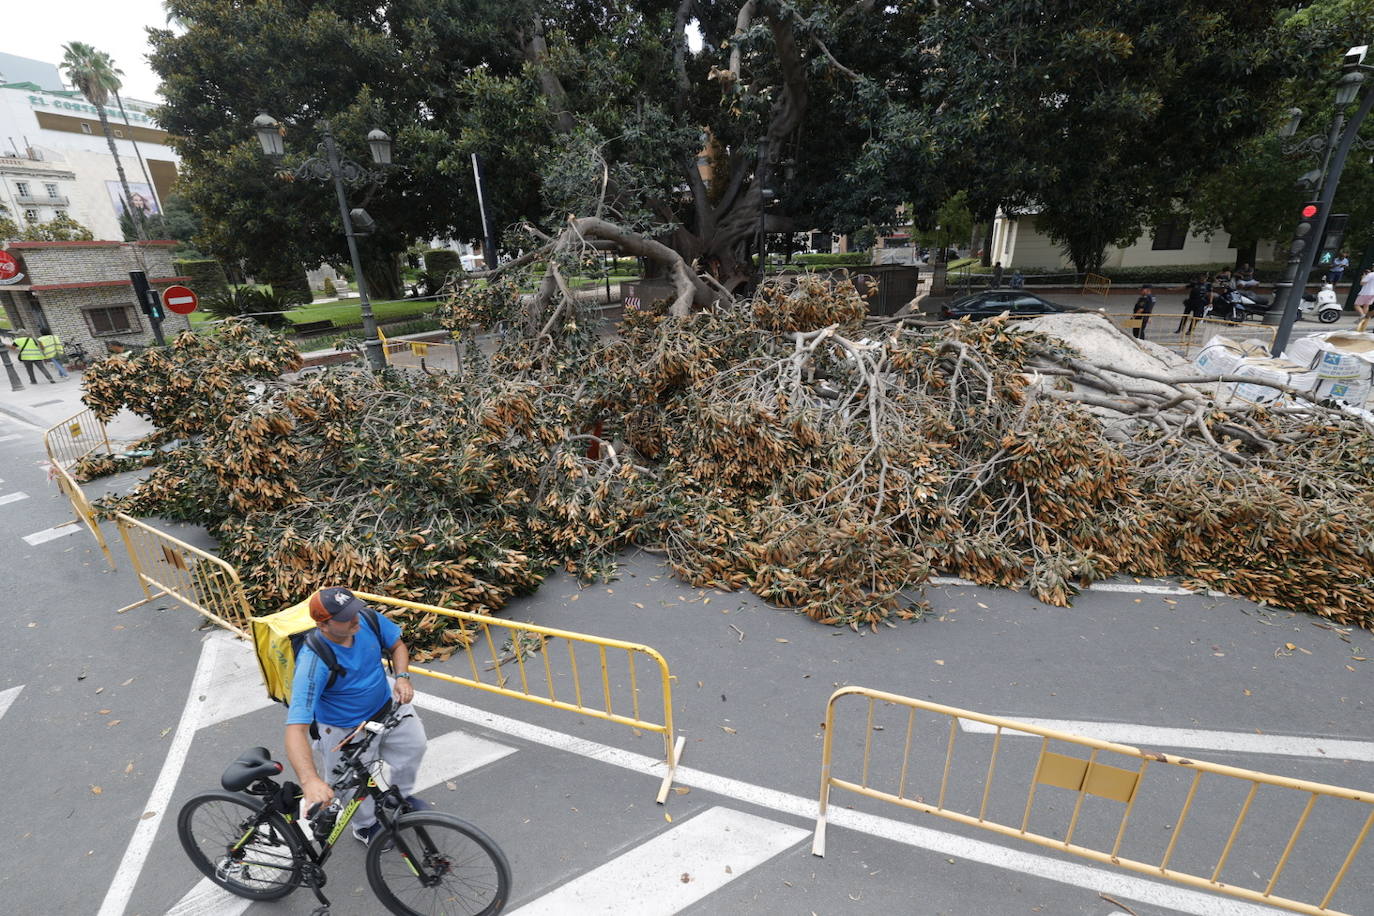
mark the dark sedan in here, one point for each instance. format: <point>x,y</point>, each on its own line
<point>1018,303</point>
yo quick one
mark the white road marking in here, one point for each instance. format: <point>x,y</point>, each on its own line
<point>235,687</point>
<point>122,887</point>
<point>7,697</point>
<point>714,848</point>
<point>1152,736</point>
<point>1117,883</point>
<point>10,438</point>
<point>1130,588</point>
<point>448,757</point>
<point>12,498</point>
<point>52,534</point>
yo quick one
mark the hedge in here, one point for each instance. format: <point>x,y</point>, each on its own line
<point>442,261</point>
<point>823,259</point>
<point>206,276</point>
<point>286,278</point>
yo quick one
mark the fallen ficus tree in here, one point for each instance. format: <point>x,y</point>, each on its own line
<point>785,444</point>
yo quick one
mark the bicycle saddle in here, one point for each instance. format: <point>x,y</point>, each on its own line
<point>252,765</point>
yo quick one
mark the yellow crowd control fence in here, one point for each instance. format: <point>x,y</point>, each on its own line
<point>75,438</point>
<point>1186,334</point>
<point>169,567</point>
<point>1259,837</point>
<point>542,665</point>
<point>1096,284</point>
<point>85,512</point>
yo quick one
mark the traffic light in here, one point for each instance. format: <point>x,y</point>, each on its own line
<point>1309,218</point>
<point>1333,236</point>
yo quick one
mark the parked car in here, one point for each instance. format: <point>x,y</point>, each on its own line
<point>990,303</point>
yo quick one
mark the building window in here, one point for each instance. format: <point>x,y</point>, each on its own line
<point>1171,235</point>
<point>51,189</point>
<point>21,188</point>
<point>31,216</point>
<point>59,214</point>
<point>106,321</point>
<point>85,128</point>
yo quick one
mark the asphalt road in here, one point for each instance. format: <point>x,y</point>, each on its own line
<point>111,721</point>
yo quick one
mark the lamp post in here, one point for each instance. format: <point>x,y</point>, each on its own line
<point>15,384</point>
<point>1335,147</point>
<point>332,167</point>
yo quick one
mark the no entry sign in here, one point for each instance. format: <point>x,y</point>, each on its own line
<point>180,299</point>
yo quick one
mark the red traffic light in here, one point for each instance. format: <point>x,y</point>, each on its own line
<point>1309,211</point>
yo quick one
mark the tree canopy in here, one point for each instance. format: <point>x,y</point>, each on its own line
<point>670,120</point>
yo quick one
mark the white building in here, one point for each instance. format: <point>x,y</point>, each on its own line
<point>55,160</point>
<point>1017,241</point>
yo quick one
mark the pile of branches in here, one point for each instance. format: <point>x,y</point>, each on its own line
<point>786,444</point>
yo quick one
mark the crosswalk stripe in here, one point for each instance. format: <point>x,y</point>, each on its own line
<point>52,534</point>
<point>13,497</point>
<point>7,697</point>
<point>10,438</point>
<point>675,869</point>
<point>447,757</point>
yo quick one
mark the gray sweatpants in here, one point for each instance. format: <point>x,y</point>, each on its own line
<point>402,748</point>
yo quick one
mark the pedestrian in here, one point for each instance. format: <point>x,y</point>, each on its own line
<point>1338,266</point>
<point>30,353</point>
<point>1365,298</point>
<point>52,349</point>
<point>1245,277</point>
<point>1141,311</point>
<point>1195,306</point>
<point>362,693</point>
<point>1017,281</point>
<point>997,275</point>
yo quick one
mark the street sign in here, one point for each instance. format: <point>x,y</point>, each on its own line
<point>9,268</point>
<point>180,299</point>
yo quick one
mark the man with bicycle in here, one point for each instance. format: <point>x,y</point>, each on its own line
<point>328,704</point>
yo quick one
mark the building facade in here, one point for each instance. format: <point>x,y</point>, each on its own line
<point>55,159</point>
<point>82,291</point>
<point>1018,242</point>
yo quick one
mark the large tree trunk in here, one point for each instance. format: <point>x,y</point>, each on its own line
<point>384,277</point>
<point>135,214</point>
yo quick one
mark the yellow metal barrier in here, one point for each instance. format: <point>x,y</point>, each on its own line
<point>203,582</point>
<point>85,512</point>
<point>1096,283</point>
<point>1271,812</point>
<point>522,641</point>
<point>75,438</point>
<point>1186,335</point>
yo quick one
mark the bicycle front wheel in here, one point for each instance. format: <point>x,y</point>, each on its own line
<point>440,864</point>
<point>235,845</point>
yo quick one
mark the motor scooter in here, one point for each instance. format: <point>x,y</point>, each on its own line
<point>1324,304</point>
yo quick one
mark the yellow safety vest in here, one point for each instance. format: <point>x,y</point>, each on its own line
<point>30,350</point>
<point>51,346</point>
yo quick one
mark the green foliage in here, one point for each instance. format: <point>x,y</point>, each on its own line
<point>288,278</point>
<point>206,276</point>
<point>57,229</point>
<point>263,304</point>
<point>328,289</point>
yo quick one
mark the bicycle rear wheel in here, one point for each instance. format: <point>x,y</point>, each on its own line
<point>235,845</point>
<point>440,865</point>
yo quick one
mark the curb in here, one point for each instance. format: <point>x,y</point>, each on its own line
<point>23,415</point>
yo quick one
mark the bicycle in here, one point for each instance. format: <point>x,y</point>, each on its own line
<point>248,840</point>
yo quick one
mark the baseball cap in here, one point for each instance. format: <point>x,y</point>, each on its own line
<point>335,603</point>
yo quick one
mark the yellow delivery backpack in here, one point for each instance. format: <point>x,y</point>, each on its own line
<point>278,638</point>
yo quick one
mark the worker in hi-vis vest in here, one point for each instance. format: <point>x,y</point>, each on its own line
<point>31,354</point>
<point>52,350</point>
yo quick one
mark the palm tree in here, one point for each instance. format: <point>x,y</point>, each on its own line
<point>94,75</point>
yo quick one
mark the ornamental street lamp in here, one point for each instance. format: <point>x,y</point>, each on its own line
<point>1335,147</point>
<point>329,166</point>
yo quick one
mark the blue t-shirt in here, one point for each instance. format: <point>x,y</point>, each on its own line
<point>358,692</point>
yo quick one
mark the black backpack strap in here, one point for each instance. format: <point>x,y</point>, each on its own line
<point>372,620</point>
<point>320,646</point>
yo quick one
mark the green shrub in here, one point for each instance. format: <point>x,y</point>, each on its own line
<point>253,301</point>
<point>286,278</point>
<point>329,289</point>
<point>823,259</point>
<point>442,261</point>
<point>206,276</point>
